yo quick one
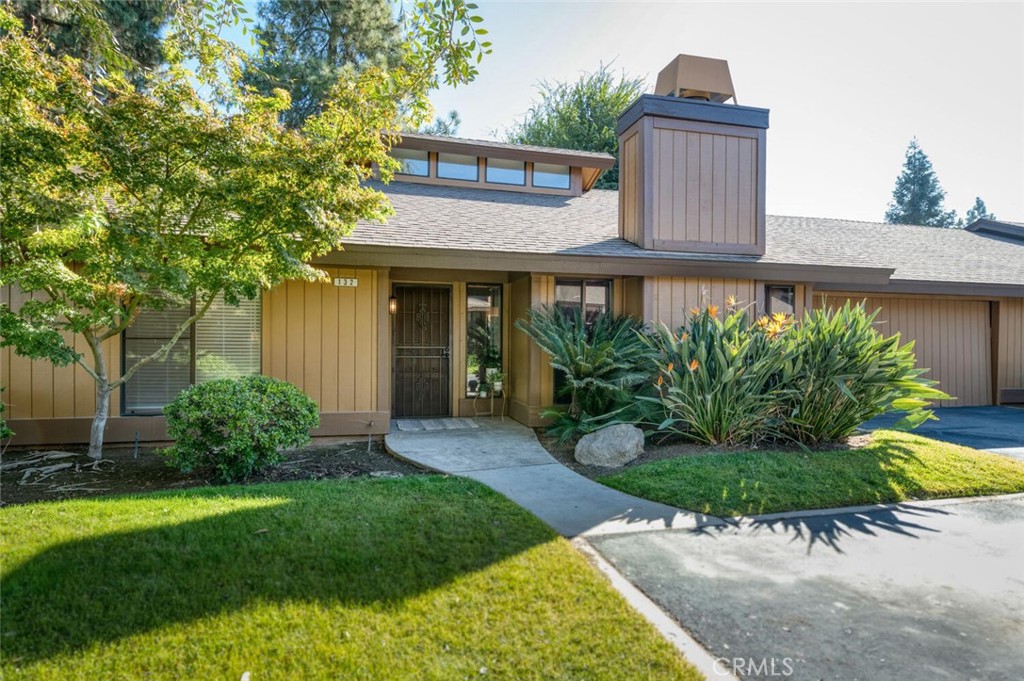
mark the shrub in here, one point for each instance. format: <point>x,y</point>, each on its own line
<point>239,426</point>
<point>717,380</point>
<point>844,372</point>
<point>602,361</point>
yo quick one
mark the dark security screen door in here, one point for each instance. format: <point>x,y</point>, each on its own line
<point>422,343</point>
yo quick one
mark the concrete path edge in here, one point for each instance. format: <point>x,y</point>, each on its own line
<point>867,508</point>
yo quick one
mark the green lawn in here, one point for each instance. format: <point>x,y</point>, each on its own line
<point>418,578</point>
<point>893,467</point>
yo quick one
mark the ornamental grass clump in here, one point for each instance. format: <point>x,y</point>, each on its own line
<point>843,372</point>
<point>602,361</point>
<point>717,380</point>
<point>237,427</point>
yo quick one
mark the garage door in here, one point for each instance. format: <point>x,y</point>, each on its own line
<point>951,337</point>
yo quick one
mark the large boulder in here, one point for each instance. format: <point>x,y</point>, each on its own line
<point>611,447</point>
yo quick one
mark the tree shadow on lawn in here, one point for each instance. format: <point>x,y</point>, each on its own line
<point>310,543</point>
<point>877,475</point>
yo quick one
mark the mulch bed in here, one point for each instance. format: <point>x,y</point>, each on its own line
<point>122,472</point>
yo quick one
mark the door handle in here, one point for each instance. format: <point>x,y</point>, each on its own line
<point>447,352</point>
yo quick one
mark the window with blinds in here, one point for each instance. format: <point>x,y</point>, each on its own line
<point>225,343</point>
<point>158,382</point>
<point>228,341</point>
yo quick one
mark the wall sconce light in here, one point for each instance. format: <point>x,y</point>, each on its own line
<point>393,305</point>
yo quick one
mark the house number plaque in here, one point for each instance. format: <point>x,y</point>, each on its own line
<point>346,281</point>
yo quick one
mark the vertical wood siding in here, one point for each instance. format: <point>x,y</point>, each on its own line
<point>38,389</point>
<point>1010,344</point>
<point>629,188</point>
<point>705,187</point>
<point>951,338</point>
<point>325,339</point>
<point>669,299</point>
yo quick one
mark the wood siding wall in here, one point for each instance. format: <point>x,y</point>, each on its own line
<point>36,389</point>
<point>951,338</point>
<point>705,188</point>
<point>327,340</point>
<point>692,186</point>
<point>1010,344</point>
<point>629,187</point>
<point>532,380</point>
<point>669,299</point>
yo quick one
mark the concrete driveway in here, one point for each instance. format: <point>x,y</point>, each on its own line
<point>997,429</point>
<point>916,591</point>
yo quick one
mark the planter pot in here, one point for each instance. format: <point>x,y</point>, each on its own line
<point>498,387</point>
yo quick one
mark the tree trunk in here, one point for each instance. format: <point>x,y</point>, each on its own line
<point>99,420</point>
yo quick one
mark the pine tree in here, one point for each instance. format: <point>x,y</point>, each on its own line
<point>448,126</point>
<point>918,198</point>
<point>979,211</point>
<point>134,24</point>
<point>310,44</point>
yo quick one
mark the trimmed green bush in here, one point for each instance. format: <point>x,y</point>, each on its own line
<point>603,363</point>
<point>842,372</point>
<point>237,426</point>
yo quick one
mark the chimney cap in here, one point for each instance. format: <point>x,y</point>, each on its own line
<point>697,75</point>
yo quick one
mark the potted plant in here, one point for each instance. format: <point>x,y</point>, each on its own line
<point>483,390</point>
<point>497,380</point>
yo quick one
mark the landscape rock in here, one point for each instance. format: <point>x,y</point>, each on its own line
<point>611,447</point>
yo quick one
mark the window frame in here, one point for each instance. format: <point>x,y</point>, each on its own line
<point>502,350</point>
<point>568,176</point>
<point>768,297</point>
<point>487,167</point>
<point>412,151</point>
<point>606,284</point>
<point>476,167</point>
<point>192,347</point>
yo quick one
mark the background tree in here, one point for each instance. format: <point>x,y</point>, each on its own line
<point>979,211</point>
<point>580,115</point>
<point>82,30</point>
<point>155,196</point>
<point>447,126</point>
<point>918,198</point>
<point>309,44</point>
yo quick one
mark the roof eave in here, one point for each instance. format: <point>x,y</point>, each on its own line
<point>364,255</point>
<point>554,156</point>
<point>920,287</point>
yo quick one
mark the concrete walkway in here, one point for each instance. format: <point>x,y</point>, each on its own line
<point>508,458</point>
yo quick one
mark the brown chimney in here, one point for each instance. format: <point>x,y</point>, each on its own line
<point>692,172</point>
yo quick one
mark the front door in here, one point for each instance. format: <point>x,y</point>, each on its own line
<point>422,352</point>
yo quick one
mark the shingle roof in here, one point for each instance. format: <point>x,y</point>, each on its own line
<point>443,217</point>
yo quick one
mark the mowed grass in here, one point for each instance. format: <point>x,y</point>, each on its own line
<point>893,467</point>
<point>417,578</point>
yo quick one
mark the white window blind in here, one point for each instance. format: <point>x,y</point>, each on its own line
<point>158,382</point>
<point>226,345</point>
<point>228,341</point>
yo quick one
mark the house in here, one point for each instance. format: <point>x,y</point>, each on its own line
<point>420,311</point>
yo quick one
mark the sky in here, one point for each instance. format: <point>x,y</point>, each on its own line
<point>848,85</point>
